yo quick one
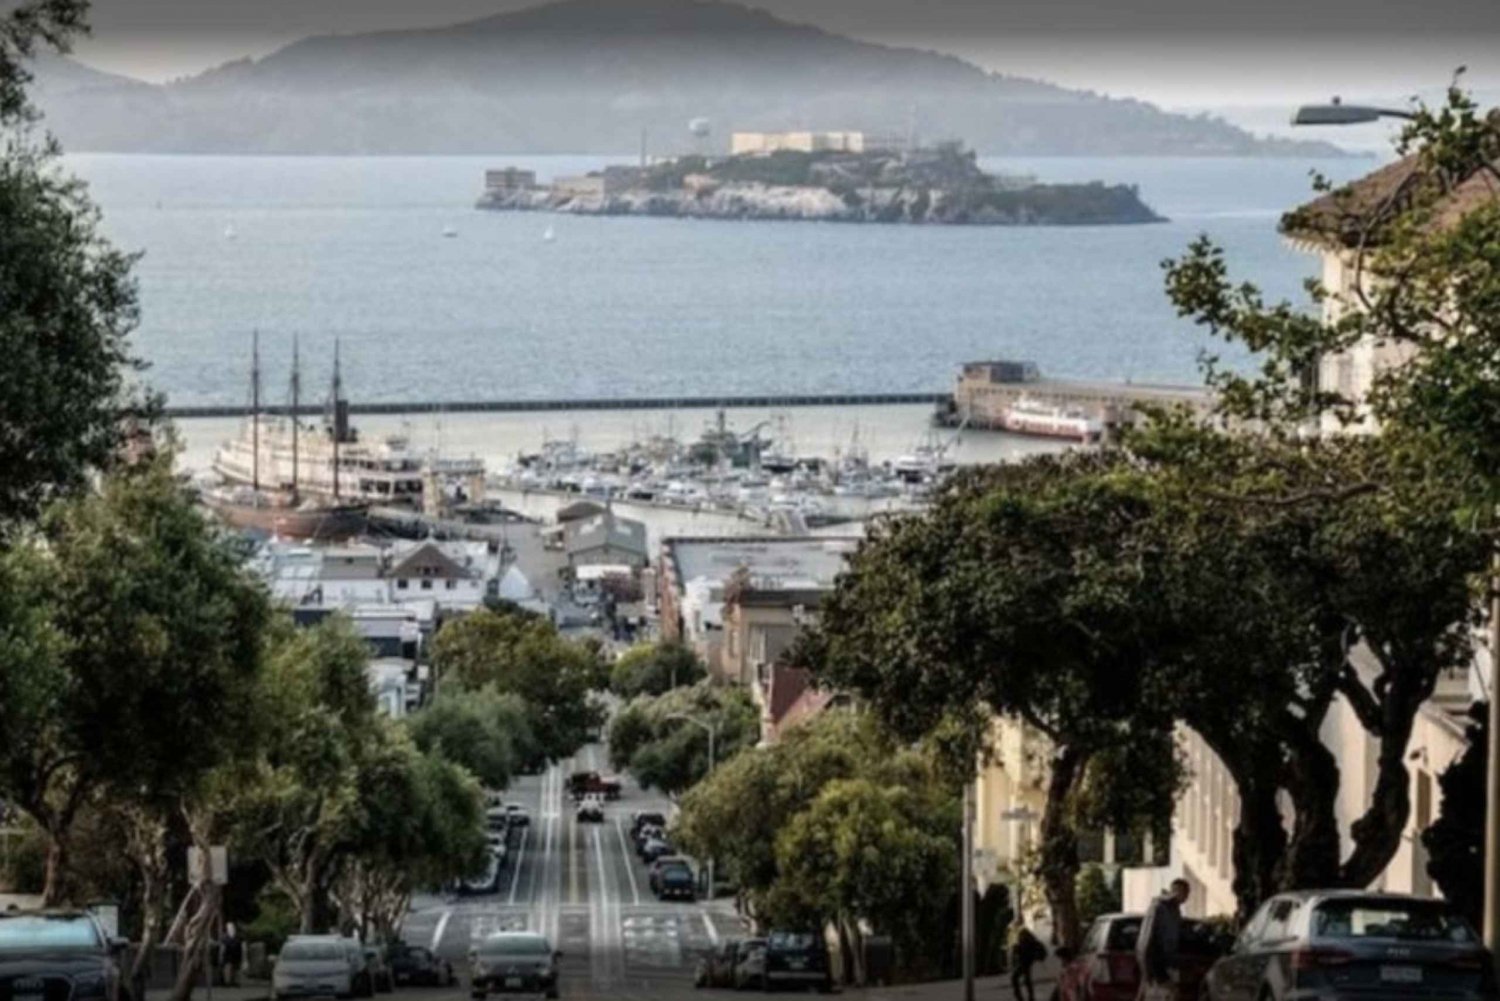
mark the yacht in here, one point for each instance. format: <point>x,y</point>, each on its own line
<point>1030,416</point>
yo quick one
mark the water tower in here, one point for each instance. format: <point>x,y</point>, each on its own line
<point>700,129</point>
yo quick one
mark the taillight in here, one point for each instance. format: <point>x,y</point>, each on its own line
<point>1320,959</point>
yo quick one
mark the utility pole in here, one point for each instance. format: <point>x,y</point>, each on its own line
<point>966,891</point>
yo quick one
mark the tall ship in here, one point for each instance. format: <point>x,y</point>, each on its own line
<point>265,500</point>
<point>333,461</point>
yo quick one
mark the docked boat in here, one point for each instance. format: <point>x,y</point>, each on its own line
<point>287,510</point>
<point>1032,417</point>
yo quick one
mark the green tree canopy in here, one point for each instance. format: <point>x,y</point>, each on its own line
<point>653,668</point>
<point>484,731</point>
<point>529,658</point>
<point>665,751</point>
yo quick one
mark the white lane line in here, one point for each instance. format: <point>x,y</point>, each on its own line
<point>442,926</point>
<point>635,890</point>
<point>713,933</point>
<point>515,876</point>
<point>599,921</point>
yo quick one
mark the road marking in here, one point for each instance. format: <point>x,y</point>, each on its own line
<point>573,861</point>
<point>713,933</point>
<point>442,926</point>
<point>515,876</point>
<point>635,891</point>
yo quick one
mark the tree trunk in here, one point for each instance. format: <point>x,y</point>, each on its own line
<point>1059,849</point>
<point>1312,855</point>
<point>1377,834</point>
<point>56,870</point>
<point>1258,843</point>
<point>198,943</point>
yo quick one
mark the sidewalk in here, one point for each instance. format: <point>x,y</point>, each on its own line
<point>1044,978</point>
<point>255,990</point>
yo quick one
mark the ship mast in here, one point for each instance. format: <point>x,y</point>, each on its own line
<point>255,410</point>
<point>337,431</point>
<point>296,399</point>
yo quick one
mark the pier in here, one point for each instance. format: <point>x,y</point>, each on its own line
<point>768,400</point>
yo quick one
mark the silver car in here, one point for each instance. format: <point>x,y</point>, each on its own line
<point>1332,944</point>
<point>513,963</point>
<point>320,966</point>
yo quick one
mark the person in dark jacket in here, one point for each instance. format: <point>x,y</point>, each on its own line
<point>1160,939</point>
<point>232,955</point>
<point>1026,950</point>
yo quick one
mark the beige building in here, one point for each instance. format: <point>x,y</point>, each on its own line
<point>1202,840</point>
<point>761,143</point>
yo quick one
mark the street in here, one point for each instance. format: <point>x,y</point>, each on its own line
<point>583,886</point>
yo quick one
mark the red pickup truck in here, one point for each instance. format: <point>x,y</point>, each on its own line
<point>581,784</point>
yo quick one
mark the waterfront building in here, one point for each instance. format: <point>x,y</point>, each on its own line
<point>605,538</point>
<point>509,180</point>
<point>763,143</point>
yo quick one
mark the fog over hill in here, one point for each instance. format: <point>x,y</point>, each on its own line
<point>587,76</point>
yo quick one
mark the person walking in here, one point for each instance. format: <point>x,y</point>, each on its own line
<point>231,955</point>
<point>1157,947</point>
<point>1026,950</point>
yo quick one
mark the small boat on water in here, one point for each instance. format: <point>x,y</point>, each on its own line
<point>449,232</point>
<point>549,235</point>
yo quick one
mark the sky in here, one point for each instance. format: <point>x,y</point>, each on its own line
<point>1249,54</point>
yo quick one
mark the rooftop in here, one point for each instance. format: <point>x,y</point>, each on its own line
<point>607,529</point>
<point>775,563</point>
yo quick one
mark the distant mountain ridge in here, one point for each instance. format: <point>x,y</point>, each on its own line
<point>588,76</point>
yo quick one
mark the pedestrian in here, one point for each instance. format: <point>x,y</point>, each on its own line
<point>1157,946</point>
<point>231,955</point>
<point>1026,950</point>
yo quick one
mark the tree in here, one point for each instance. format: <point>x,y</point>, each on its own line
<point>129,609</point>
<point>668,752</point>
<point>1097,893</point>
<point>654,668</point>
<point>486,732</point>
<point>70,302</point>
<point>1032,590</point>
<point>863,853</point>
<point>301,808</point>
<point>529,658</point>
<point>1455,841</point>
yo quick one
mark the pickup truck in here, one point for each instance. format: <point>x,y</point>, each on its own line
<point>582,784</point>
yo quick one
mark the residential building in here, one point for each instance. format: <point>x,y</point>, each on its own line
<point>693,579</point>
<point>1202,837</point>
<point>608,539</point>
<point>791,699</point>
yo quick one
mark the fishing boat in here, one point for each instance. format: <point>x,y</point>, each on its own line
<point>285,509</point>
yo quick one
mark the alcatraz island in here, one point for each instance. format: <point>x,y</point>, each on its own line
<point>825,177</point>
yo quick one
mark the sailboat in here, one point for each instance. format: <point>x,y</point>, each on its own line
<point>549,235</point>
<point>284,509</point>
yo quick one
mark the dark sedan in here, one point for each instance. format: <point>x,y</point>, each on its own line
<point>413,964</point>
<point>513,963</point>
<point>1347,944</point>
<point>56,956</point>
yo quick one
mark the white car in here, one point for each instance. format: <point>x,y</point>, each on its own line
<point>591,809</point>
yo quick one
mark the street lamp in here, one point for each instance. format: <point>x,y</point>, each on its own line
<point>712,728</point>
<point>1338,113</point>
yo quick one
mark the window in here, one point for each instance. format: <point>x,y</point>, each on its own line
<point>1279,924</point>
<point>1254,931</point>
<point>1412,920</point>
<point>426,584</point>
<point>401,584</point>
<point>450,584</point>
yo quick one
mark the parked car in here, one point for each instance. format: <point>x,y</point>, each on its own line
<point>641,818</point>
<point>648,832</point>
<point>590,809</point>
<point>57,954</point>
<point>415,964</point>
<point>796,958</point>
<point>1352,943</point>
<point>655,849</point>
<point>381,976</point>
<point>513,963</point>
<point>716,967</point>
<point>1105,969</point>
<point>518,815</point>
<point>321,966</point>
<point>675,882</point>
<point>486,881</point>
<point>750,967</point>
<point>497,819</point>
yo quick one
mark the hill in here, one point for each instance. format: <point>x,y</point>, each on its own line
<point>589,75</point>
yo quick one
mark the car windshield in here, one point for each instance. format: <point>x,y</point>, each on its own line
<point>1415,920</point>
<point>520,945</point>
<point>786,941</point>
<point>298,951</point>
<point>22,932</point>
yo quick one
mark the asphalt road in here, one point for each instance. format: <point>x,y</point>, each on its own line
<point>582,886</point>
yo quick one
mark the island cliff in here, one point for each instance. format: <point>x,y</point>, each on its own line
<point>943,185</point>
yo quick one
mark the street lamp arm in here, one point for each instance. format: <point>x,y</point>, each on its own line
<point>1338,113</point>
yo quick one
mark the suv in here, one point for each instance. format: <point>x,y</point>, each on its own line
<point>1347,943</point>
<point>57,956</point>
<point>799,958</point>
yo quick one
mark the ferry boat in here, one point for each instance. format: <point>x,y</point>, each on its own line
<point>1032,417</point>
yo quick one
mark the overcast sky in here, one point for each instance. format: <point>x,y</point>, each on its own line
<point>1181,53</point>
